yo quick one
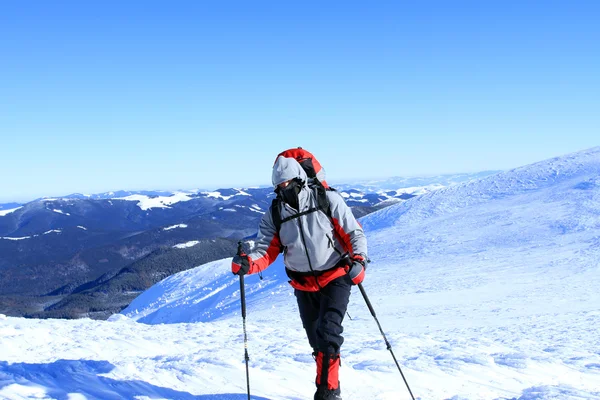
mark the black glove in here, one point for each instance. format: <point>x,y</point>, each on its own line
<point>356,271</point>
<point>240,265</point>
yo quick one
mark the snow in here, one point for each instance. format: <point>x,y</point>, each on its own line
<point>119,318</point>
<point>147,203</point>
<point>186,245</point>
<point>61,212</point>
<point>16,238</point>
<point>218,195</point>
<point>29,237</point>
<point>168,228</point>
<point>117,360</point>
<point>419,190</point>
<point>6,212</point>
<point>485,290</point>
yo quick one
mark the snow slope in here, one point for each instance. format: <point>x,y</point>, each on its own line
<point>486,290</point>
<point>6,212</point>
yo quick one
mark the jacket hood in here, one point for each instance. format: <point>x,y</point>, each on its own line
<point>286,169</point>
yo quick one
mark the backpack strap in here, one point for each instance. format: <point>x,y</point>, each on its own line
<point>322,205</point>
<point>276,214</point>
<point>322,199</point>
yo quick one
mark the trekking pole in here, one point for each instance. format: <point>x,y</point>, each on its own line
<point>389,346</point>
<point>243,298</point>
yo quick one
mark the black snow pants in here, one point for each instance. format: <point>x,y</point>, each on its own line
<point>322,314</point>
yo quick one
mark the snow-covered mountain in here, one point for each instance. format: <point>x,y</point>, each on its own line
<point>402,182</point>
<point>7,208</point>
<point>61,246</point>
<point>486,290</point>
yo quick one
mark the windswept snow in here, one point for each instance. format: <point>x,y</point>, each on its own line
<point>168,228</point>
<point>120,359</point>
<point>485,290</point>
<point>147,203</point>
<point>186,245</point>
<point>6,212</point>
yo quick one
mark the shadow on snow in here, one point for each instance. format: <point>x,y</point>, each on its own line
<point>66,377</point>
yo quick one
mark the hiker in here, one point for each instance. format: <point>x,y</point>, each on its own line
<point>325,253</point>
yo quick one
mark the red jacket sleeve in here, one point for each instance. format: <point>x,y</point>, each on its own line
<point>267,247</point>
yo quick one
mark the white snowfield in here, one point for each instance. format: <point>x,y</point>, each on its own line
<point>218,195</point>
<point>16,238</point>
<point>61,212</point>
<point>185,245</point>
<point>6,212</point>
<point>147,203</point>
<point>485,290</point>
<point>168,228</point>
<point>29,237</point>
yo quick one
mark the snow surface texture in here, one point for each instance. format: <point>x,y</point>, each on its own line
<point>486,290</point>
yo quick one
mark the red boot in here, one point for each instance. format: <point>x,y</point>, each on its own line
<point>328,384</point>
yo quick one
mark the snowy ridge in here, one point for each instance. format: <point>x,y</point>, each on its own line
<point>203,294</point>
<point>582,168</point>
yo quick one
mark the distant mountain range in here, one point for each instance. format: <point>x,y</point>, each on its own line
<point>90,255</point>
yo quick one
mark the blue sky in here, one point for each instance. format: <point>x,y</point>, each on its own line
<point>98,96</point>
